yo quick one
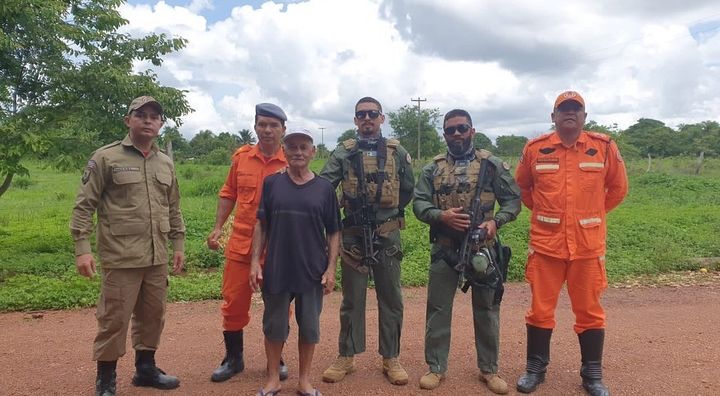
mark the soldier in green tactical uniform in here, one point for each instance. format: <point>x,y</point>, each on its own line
<point>443,194</point>
<point>373,206</point>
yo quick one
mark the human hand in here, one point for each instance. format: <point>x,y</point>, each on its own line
<point>85,264</point>
<point>213,240</point>
<point>455,218</point>
<point>256,276</point>
<point>491,227</point>
<point>178,262</point>
<point>328,281</point>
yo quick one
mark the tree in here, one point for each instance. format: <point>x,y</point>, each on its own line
<point>322,151</point>
<point>66,77</point>
<point>510,145</point>
<point>246,137</point>
<point>348,134</point>
<point>481,141</point>
<point>652,137</point>
<point>404,123</point>
<point>202,143</point>
<point>179,143</point>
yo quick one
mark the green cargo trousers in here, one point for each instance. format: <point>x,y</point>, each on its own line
<point>442,287</point>
<point>139,293</point>
<point>386,275</point>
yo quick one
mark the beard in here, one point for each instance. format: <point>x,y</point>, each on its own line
<point>460,148</point>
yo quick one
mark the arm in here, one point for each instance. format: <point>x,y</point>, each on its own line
<point>177,227</point>
<point>81,225</point>
<point>332,171</point>
<point>226,203</point>
<point>523,175</point>
<point>616,182</point>
<point>333,246</point>
<point>407,177</point>
<point>258,244</point>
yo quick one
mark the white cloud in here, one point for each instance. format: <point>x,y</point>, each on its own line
<point>503,60</point>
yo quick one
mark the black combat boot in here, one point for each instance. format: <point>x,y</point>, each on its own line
<point>233,362</point>
<point>538,357</point>
<point>148,374</point>
<point>591,350</point>
<point>105,380</point>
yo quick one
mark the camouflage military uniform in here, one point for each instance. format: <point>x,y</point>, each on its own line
<point>138,211</point>
<point>443,184</point>
<point>396,194</point>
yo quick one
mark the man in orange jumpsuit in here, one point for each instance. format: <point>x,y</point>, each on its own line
<point>570,179</point>
<point>242,189</point>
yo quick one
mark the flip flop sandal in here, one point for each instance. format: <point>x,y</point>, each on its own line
<point>313,392</point>
<point>261,392</point>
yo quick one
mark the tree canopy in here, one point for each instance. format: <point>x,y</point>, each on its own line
<point>66,78</point>
<point>404,123</point>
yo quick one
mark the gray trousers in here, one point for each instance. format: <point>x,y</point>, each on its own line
<point>442,287</point>
<point>386,275</point>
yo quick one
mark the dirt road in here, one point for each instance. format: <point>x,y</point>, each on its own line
<point>659,341</point>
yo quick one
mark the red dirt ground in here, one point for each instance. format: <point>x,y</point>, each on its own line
<point>660,340</point>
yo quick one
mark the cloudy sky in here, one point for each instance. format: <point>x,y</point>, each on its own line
<point>504,61</point>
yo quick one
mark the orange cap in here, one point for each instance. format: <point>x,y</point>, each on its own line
<point>569,95</point>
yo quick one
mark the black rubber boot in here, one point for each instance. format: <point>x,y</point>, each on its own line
<point>591,350</point>
<point>148,374</point>
<point>105,382</point>
<point>233,362</point>
<point>538,357</point>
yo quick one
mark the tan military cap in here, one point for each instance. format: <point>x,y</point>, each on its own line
<point>142,101</point>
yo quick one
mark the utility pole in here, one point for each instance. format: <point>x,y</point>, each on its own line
<point>322,138</point>
<point>418,100</point>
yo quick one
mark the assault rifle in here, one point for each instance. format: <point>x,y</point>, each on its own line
<point>363,214</point>
<point>474,259</point>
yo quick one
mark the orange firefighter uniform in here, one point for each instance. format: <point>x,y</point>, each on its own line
<point>569,190</point>
<point>244,186</point>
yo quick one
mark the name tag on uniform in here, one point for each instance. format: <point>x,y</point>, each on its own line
<point>370,153</point>
<point>125,169</point>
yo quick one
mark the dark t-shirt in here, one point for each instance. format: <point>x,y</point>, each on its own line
<point>297,219</point>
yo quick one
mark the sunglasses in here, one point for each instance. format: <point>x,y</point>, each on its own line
<point>462,128</point>
<point>361,114</point>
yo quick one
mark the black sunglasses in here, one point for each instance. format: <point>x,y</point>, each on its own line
<point>462,128</point>
<point>361,114</point>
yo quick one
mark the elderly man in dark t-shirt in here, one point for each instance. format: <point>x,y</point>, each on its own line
<point>299,224</point>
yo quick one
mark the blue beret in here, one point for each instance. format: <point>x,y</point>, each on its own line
<point>270,110</point>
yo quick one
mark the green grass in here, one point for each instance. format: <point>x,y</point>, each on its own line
<point>669,217</point>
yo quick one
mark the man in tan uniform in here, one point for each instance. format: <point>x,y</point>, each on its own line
<point>133,188</point>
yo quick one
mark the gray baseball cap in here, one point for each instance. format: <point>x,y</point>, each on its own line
<point>298,132</point>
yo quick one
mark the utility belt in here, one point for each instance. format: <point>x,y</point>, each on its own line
<point>383,230</point>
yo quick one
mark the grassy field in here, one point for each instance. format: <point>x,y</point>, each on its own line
<point>669,218</point>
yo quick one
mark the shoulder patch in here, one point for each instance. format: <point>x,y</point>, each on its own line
<point>506,166</point>
<point>408,158</point>
<point>350,144</point>
<point>89,168</point>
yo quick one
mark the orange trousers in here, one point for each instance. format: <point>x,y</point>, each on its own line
<point>237,294</point>
<point>586,280</point>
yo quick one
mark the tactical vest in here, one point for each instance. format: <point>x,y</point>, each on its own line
<point>455,184</point>
<point>390,197</point>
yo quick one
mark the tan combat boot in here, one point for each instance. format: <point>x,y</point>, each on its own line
<point>431,380</point>
<point>342,366</point>
<point>395,372</point>
<point>494,383</point>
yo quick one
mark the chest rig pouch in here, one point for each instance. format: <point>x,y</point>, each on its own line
<point>383,185</point>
